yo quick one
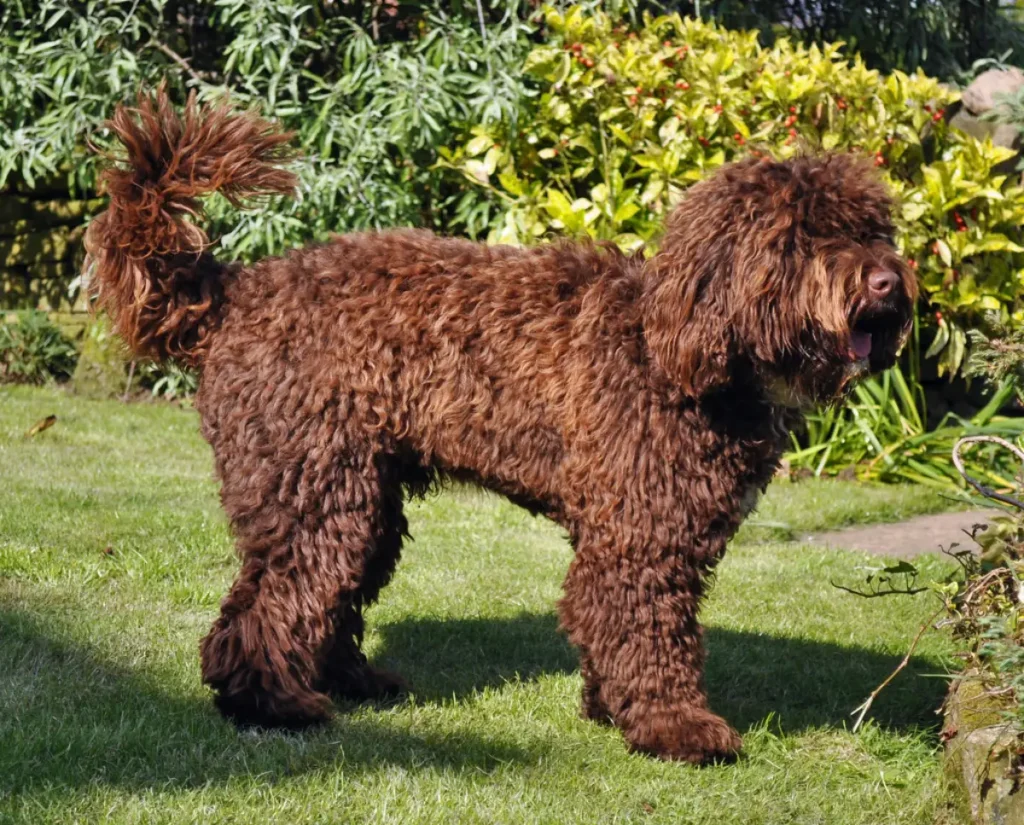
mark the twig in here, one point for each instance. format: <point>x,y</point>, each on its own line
<point>177,58</point>
<point>128,17</point>
<point>988,492</point>
<point>128,385</point>
<point>483,25</point>
<point>861,711</point>
<point>874,594</point>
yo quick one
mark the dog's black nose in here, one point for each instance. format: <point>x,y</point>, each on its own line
<point>881,284</point>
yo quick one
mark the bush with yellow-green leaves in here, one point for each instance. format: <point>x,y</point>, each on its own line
<point>624,120</point>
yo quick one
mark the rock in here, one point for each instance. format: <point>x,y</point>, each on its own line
<point>984,92</point>
<point>983,754</point>
<point>982,96</point>
<point>101,366</point>
<point>73,324</point>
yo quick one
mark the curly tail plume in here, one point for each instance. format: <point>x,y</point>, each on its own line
<point>150,268</point>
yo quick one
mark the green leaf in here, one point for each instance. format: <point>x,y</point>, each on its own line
<point>625,212</point>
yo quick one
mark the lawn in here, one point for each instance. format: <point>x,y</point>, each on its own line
<point>114,555</point>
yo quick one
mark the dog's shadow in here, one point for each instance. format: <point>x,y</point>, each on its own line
<point>69,718</point>
<point>799,683</point>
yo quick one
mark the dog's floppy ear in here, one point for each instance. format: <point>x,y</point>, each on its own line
<point>686,327</point>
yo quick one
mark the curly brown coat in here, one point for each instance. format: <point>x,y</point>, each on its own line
<point>642,404</point>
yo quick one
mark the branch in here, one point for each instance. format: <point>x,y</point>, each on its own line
<point>986,491</point>
<point>874,594</point>
<point>177,58</point>
<point>861,711</point>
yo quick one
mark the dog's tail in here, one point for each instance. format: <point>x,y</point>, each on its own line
<point>147,260</point>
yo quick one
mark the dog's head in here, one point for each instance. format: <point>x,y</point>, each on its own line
<point>786,268</point>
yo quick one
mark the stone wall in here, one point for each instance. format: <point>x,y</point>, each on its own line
<point>41,231</point>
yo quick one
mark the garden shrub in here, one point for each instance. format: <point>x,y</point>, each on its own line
<point>624,120</point>
<point>169,380</point>
<point>33,350</point>
<point>371,90</point>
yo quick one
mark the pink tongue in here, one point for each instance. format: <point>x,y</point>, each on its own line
<point>861,342</point>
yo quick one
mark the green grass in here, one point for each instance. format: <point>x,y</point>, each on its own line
<point>114,554</point>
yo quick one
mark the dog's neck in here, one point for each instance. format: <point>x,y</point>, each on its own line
<point>744,410</point>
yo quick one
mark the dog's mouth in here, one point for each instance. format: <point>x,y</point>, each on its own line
<point>860,342</point>
<point>878,322</point>
<point>875,336</point>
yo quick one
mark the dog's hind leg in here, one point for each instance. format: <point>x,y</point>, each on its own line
<point>347,674</point>
<point>592,706</point>
<point>315,550</point>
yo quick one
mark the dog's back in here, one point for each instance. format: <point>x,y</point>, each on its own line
<point>461,354</point>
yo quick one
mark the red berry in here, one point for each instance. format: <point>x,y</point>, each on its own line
<point>667,44</point>
<point>938,317</point>
<point>792,133</point>
<point>792,110</point>
<point>632,100</point>
<point>912,263</point>
<point>718,108</point>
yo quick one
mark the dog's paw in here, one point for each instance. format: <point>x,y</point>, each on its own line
<point>256,709</point>
<point>686,734</point>
<point>367,684</point>
<point>592,708</point>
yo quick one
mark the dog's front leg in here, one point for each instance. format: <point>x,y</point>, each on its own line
<point>633,614</point>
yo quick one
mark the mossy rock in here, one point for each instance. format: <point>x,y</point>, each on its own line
<point>983,753</point>
<point>73,324</point>
<point>101,370</point>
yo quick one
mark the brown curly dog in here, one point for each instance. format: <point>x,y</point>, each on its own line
<point>641,404</point>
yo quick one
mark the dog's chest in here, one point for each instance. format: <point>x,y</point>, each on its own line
<point>749,497</point>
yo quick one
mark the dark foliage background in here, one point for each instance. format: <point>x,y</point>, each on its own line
<point>943,37</point>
